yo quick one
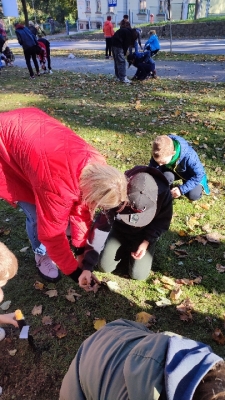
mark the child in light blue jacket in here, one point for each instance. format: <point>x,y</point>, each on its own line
<point>152,43</point>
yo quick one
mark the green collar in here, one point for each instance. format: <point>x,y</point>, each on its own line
<point>176,155</point>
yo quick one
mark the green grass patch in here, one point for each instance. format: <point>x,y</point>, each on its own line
<point>121,122</point>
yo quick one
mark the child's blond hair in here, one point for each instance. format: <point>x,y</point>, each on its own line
<point>152,32</point>
<point>8,264</point>
<point>102,186</point>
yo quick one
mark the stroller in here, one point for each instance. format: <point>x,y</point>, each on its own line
<point>8,56</point>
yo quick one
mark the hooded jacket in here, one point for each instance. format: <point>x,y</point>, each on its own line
<point>123,38</point>
<point>153,42</point>
<point>40,163</point>
<point>151,232</point>
<point>108,29</point>
<point>25,37</point>
<point>188,167</point>
<point>124,360</point>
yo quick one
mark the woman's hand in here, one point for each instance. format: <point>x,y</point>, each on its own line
<point>8,319</point>
<point>175,192</point>
<point>137,255</point>
<point>86,279</point>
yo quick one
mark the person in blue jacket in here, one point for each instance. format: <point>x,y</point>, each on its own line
<point>152,43</point>
<point>124,360</point>
<point>30,47</point>
<point>144,64</point>
<point>176,159</point>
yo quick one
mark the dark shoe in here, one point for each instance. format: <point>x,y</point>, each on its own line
<point>154,76</point>
<point>106,57</point>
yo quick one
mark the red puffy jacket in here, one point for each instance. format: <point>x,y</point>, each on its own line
<point>40,163</point>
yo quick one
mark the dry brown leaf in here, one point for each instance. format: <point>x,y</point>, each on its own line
<point>144,318</point>
<point>184,281</point>
<point>220,268</point>
<point>201,239</point>
<point>99,323</point>
<point>175,294</point>
<point>185,306</point>
<point>186,316</point>
<point>38,285</point>
<point>182,233</point>
<point>213,237</point>
<point>218,336</point>
<point>167,280</point>
<point>181,253</point>
<point>179,243</point>
<point>47,320</point>
<point>12,352</point>
<point>206,228</point>
<point>205,206</point>
<point>192,222</point>
<point>37,310</point>
<point>172,247</point>
<point>61,333</point>
<point>52,293</point>
<point>70,297</point>
<point>73,292</point>
<point>197,280</point>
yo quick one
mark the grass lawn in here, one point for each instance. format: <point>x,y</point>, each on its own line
<point>121,122</point>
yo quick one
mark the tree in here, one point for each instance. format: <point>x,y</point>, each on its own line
<point>197,9</point>
<point>24,5</point>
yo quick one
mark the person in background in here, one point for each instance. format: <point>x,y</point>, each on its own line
<point>121,40</point>
<point>144,64</point>
<point>8,269</point>
<point>57,179</point>
<point>108,34</point>
<point>45,45</point>
<point>176,159</point>
<point>124,360</point>
<point>32,28</point>
<point>124,23</point>
<point>152,43</point>
<point>40,31</point>
<point>29,43</point>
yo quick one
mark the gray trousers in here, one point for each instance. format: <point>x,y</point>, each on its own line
<point>118,249</point>
<point>119,63</point>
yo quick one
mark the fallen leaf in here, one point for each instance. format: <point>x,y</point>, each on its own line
<point>186,316</point>
<point>213,237</point>
<point>218,336</point>
<point>52,293</point>
<point>5,306</point>
<point>179,243</point>
<point>182,233</point>
<point>167,280</point>
<point>172,247</point>
<point>144,318</point>
<point>47,320</point>
<point>99,323</point>
<point>70,297</point>
<point>24,249</point>
<point>113,286</point>
<point>73,292</point>
<point>185,306</point>
<point>163,302</point>
<point>220,268</point>
<point>181,253</point>
<point>205,206</point>
<point>61,333</point>
<point>39,285</point>
<point>12,352</point>
<point>200,239</point>
<point>192,222</point>
<point>37,310</point>
<point>184,281</point>
<point>175,294</point>
<point>206,228</point>
<point>197,280</point>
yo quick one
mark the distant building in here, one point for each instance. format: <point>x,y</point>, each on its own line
<point>93,13</point>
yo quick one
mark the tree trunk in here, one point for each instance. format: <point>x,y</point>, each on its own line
<point>197,9</point>
<point>24,5</point>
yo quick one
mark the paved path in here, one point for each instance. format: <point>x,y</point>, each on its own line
<point>194,46</point>
<point>209,72</point>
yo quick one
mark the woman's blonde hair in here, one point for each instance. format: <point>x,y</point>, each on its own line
<point>8,264</point>
<point>102,186</point>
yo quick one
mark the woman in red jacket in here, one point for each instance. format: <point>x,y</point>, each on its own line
<point>108,34</point>
<point>58,179</point>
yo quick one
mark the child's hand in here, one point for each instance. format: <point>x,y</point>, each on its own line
<point>137,255</point>
<point>8,319</point>
<point>175,192</point>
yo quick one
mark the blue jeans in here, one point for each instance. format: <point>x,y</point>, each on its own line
<point>31,227</point>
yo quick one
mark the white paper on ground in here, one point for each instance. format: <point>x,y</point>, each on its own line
<point>24,332</point>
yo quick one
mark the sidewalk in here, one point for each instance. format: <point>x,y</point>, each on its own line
<point>182,70</point>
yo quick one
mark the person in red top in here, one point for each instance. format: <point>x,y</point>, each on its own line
<point>108,34</point>
<point>58,179</point>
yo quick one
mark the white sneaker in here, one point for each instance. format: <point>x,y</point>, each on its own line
<point>47,268</point>
<point>126,80</point>
<point>50,71</point>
